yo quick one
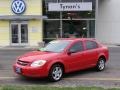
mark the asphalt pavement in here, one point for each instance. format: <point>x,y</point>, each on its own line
<point>110,77</point>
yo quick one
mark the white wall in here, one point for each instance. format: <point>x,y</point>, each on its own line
<point>108,21</point>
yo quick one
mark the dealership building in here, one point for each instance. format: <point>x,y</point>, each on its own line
<point>31,22</point>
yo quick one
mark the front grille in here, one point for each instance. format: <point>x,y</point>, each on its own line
<point>23,63</point>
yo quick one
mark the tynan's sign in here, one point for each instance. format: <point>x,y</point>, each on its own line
<point>18,6</point>
<point>84,6</point>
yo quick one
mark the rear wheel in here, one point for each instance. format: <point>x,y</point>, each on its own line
<point>56,73</point>
<point>100,64</point>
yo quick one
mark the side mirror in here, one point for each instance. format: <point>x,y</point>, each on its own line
<point>69,53</point>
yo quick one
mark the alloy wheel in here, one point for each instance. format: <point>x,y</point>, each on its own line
<point>56,73</point>
<point>101,64</point>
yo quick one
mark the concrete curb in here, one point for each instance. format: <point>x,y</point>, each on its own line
<point>35,48</point>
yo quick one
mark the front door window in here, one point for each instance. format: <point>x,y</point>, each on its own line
<point>19,33</point>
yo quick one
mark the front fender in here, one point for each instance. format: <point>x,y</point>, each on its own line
<point>51,63</point>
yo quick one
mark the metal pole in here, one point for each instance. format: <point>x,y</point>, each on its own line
<point>96,17</point>
<point>61,24</point>
<point>88,29</point>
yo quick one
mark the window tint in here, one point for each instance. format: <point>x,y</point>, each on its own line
<point>91,45</point>
<point>77,47</point>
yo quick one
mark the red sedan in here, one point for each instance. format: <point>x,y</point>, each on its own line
<point>62,56</point>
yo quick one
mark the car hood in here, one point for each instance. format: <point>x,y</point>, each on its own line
<point>38,55</point>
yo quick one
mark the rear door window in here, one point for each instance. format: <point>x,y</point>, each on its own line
<point>77,47</point>
<point>91,45</point>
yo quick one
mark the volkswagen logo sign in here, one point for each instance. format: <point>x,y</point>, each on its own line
<point>18,6</point>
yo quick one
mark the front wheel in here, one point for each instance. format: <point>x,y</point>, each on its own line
<point>56,73</point>
<point>100,64</point>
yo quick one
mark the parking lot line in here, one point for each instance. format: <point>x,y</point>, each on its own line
<point>7,77</point>
<point>94,79</point>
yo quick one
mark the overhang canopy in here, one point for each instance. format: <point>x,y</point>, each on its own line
<point>22,17</point>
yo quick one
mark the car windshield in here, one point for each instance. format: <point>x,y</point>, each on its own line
<point>55,46</point>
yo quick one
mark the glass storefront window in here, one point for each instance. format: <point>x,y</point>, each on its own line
<point>50,15</point>
<point>64,24</point>
<point>92,28</point>
<point>71,0</point>
<point>80,29</point>
<point>78,15</point>
<point>51,30</point>
<point>81,14</point>
<point>77,28</point>
<point>54,15</point>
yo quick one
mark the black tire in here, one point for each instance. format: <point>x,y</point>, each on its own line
<point>100,66</point>
<point>54,78</point>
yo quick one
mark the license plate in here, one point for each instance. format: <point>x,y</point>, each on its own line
<point>18,70</point>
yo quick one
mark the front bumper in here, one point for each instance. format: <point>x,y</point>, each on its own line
<point>31,71</point>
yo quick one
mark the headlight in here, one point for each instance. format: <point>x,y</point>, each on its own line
<point>38,63</point>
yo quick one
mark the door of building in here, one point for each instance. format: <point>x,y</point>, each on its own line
<point>19,33</point>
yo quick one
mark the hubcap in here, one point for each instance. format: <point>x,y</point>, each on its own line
<point>57,73</point>
<point>101,64</point>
